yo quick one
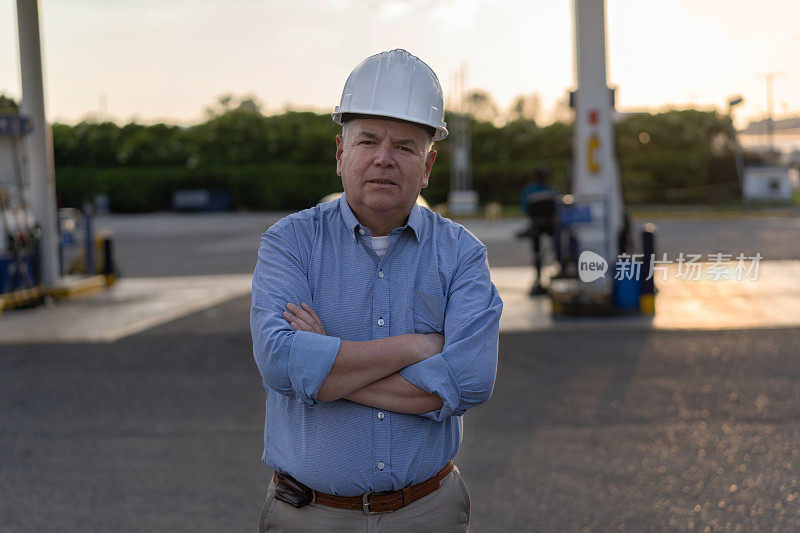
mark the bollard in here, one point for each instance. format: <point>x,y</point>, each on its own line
<point>109,269</point>
<point>87,218</point>
<point>647,288</point>
<point>61,246</point>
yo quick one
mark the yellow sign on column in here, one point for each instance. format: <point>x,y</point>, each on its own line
<point>591,160</point>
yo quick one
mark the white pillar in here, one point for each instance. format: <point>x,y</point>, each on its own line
<point>595,172</point>
<point>39,143</point>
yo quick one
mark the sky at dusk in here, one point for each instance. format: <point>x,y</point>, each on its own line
<point>155,60</point>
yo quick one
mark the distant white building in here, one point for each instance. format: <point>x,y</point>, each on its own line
<point>773,184</point>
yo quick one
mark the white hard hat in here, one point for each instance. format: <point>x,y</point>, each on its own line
<point>394,84</point>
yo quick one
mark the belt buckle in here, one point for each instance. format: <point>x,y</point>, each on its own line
<point>365,504</point>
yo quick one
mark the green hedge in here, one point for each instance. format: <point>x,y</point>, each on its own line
<point>268,186</point>
<point>287,161</point>
<point>665,176</point>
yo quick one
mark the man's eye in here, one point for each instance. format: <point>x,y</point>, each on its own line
<point>367,142</point>
<point>406,148</point>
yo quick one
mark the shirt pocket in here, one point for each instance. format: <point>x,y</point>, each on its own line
<point>428,310</point>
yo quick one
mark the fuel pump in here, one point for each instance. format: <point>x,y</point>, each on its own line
<point>19,234</point>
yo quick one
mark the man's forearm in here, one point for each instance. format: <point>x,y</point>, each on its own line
<point>360,363</point>
<point>395,393</point>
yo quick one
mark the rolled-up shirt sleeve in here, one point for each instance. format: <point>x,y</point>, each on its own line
<point>463,374</point>
<point>291,363</point>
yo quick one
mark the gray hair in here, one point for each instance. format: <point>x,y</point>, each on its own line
<point>428,137</point>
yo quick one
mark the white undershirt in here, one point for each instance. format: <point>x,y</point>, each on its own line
<point>380,245</point>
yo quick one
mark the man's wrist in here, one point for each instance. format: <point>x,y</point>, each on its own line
<point>412,348</point>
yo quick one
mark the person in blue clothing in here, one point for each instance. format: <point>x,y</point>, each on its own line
<point>539,184</point>
<point>538,202</point>
<point>375,327</point>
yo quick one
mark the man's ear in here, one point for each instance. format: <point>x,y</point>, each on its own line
<point>339,150</point>
<point>428,166</point>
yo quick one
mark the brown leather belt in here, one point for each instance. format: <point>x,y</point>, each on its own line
<point>377,502</point>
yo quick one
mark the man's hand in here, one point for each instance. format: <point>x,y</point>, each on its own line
<point>303,318</point>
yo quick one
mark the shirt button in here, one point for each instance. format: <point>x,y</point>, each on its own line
<point>380,465</point>
<point>380,322</point>
<point>381,415</point>
<point>361,231</point>
<point>380,273</point>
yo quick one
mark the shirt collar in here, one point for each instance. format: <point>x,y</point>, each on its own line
<point>415,221</point>
<point>350,220</point>
<point>415,218</point>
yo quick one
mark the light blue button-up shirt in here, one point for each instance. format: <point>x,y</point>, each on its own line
<point>433,278</point>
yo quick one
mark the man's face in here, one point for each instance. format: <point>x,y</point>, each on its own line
<point>383,165</point>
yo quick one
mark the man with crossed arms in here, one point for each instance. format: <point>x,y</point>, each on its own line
<point>375,326</point>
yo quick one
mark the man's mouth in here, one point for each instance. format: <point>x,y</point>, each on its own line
<point>382,181</point>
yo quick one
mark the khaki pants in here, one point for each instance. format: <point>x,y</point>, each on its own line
<point>444,510</point>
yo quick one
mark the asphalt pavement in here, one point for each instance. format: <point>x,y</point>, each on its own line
<point>602,429</point>
<point>183,244</point>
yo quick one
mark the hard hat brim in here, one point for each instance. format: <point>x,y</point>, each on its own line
<point>352,116</point>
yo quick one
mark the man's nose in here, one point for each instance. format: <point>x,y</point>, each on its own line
<point>383,156</point>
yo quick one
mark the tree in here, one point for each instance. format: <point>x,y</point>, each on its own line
<point>525,107</point>
<point>482,106</point>
<point>561,111</point>
<point>8,105</point>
